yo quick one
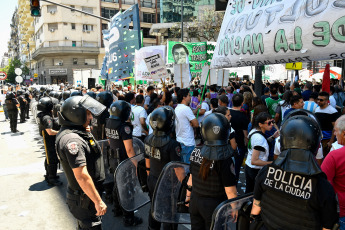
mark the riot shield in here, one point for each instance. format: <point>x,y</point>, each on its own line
<point>129,190</point>
<point>34,109</point>
<point>167,200</point>
<point>109,166</point>
<point>138,146</point>
<point>223,215</point>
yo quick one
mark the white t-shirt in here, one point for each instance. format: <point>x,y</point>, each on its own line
<point>138,112</point>
<point>184,131</point>
<point>257,140</point>
<point>204,106</point>
<point>277,152</point>
<point>2,99</point>
<point>148,124</point>
<point>336,146</point>
<point>207,113</point>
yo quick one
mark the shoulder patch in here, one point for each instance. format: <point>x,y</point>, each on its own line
<point>127,129</point>
<point>73,148</point>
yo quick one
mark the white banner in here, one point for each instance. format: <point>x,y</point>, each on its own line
<point>156,67</point>
<point>141,71</point>
<point>264,32</point>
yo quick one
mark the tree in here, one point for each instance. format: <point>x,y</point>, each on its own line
<point>12,65</point>
<point>205,27</point>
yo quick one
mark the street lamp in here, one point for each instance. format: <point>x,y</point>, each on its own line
<point>28,47</point>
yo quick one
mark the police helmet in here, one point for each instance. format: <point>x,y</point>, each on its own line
<point>10,95</point>
<point>76,93</point>
<point>58,95</point>
<point>52,93</point>
<point>215,130</point>
<point>105,97</point>
<point>120,110</point>
<point>73,110</point>
<point>20,92</point>
<point>42,89</point>
<point>47,92</point>
<point>66,94</point>
<point>162,120</point>
<point>91,94</point>
<point>297,112</point>
<point>45,104</point>
<point>300,132</point>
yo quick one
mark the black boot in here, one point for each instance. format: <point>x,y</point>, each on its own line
<point>53,179</point>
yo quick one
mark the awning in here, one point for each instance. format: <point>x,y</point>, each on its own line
<point>160,28</point>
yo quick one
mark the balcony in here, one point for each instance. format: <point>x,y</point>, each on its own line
<point>65,50</point>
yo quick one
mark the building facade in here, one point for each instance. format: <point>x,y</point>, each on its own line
<point>13,43</point>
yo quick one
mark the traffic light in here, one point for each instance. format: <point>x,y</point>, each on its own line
<point>35,8</point>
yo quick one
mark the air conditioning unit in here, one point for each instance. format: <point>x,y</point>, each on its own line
<point>60,63</point>
<point>52,30</point>
<point>52,12</point>
<point>66,38</point>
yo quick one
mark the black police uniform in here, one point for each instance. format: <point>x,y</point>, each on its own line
<point>208,194</point>
<point>22,105</point>
<point>98,125</point>
<point>46,121</point>
<point>27,108</point>
<point>160,150</point>
<point>117,132</point>
<point>77,148</point>
<point>12,112</point>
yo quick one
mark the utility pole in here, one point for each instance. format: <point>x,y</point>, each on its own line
<point>182,20</point>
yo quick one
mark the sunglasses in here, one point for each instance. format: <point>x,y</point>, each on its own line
<point>270,123</point>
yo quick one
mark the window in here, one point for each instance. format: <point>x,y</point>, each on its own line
<point>116,1</point>
<point>87,9</point>
<point>90,61</point>
<point>104,26</point>
<point>58,62</point>
<point>74,43</point>
<point>75,61</point>
<point>147,3</point>
<point>52,27</point>
<point>73,26</point>
<point>150,18</point>
<point>87,27</point>
<point>108,12</point>
<point>146,33</point>
<point>51,9</point>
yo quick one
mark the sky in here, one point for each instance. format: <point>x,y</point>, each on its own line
<point>7,8</point>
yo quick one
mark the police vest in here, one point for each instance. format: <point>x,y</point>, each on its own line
<point>11,104</point>
<point>113,133</point>
<point>212,186</point>
<point>21,101</point>
<point>158,150</point>
<point>286,200</point>
<point>94,158</point>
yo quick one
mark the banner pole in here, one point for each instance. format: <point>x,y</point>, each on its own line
<point>181,75</point>
<point>223,78</point>
<point>203,93</point>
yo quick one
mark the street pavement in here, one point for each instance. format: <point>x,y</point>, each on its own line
<point>26,201</point>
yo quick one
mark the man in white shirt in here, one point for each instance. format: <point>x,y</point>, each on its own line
<point>185,122</point>
<point>139,116</point>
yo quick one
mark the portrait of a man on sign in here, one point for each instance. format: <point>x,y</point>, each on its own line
<point>179,52</point>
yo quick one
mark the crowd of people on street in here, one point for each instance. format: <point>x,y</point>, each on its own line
<point>288,140</point>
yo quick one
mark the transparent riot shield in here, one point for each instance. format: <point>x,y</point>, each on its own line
<point>109,161</point>
<point>167,202</point>
<point>129,190</point>
<point>33,108</point>
<point>224,216</point>
<point>138,146</point>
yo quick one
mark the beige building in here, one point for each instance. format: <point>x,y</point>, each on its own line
<point>63,40</point>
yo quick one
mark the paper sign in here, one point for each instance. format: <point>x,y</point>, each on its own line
<point>181,75</point>
<point>156,67</point>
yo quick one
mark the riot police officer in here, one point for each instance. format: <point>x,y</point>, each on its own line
<point>28,97</point>
<point>22,105</point>
<point>76,93</point>
<point>92,94</point>
<point>47,131</point>
<point>212,169</point>
<point>293,192</point>
<point>119,132</point>
<point>160,149</point>
<point>82,161</point>
<point>65,94</point>
<point>98,122</point>
<point>12,103</point>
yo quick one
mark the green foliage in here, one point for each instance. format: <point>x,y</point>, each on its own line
<point>9,70</point>
<point>205,27</point>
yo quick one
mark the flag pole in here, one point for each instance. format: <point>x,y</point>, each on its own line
<point>203,93</point>
<point>181,75</point>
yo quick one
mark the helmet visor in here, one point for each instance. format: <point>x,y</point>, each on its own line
<point>92,105</point>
